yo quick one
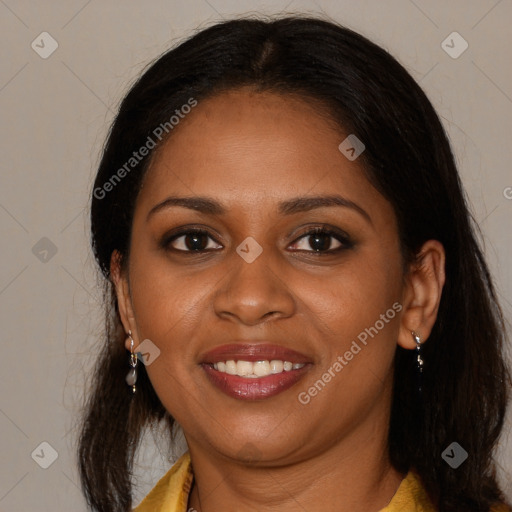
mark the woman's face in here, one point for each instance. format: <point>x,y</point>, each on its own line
<point>333,298</point>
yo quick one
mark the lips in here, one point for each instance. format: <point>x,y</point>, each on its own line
<point>253,352</point>
<point>255,388</point>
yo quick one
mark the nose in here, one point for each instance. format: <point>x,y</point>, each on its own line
<point>254,293</point>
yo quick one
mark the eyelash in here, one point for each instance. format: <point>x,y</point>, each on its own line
<point>340,236</point>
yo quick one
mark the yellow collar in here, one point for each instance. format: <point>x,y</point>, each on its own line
<point>171,492</point>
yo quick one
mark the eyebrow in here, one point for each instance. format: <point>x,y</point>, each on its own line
<point>211,206</point>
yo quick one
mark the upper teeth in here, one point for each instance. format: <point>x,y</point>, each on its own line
<point>256,369</point>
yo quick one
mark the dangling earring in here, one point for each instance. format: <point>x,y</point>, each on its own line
<point>419,361</point>
<point>131,377</point>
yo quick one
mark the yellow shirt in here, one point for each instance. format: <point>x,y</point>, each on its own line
<point>171,492</point>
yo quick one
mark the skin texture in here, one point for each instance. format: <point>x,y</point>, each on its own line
<point>251,151</point>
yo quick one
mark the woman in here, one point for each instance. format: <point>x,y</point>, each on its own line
<point>292,277</point>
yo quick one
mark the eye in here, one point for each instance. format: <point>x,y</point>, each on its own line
<point>190,240</point>
<point>320,239</point>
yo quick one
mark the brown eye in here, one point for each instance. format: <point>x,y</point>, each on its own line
<point>322,240</point>
<point>192,240</point>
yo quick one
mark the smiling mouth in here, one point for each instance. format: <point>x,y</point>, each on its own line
<point>252,386</point>
<point>254,371</point>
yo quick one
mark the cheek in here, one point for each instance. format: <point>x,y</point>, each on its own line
<point>165,297</point>
<point>355,295</point>
<point>358,311</point>
<point>358,315</point>
<point>169,306</point>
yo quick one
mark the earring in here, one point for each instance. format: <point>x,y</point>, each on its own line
<point>131,377</point>
<point>419,360</point>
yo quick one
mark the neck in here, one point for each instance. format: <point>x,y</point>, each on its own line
<point>352,475</point>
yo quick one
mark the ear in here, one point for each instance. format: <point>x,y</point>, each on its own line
<point>122,288</point>
<point>422,295</point>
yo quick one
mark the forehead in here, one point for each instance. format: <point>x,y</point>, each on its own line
<point>250,149</point>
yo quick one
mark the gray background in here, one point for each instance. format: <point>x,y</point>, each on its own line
<point>55,116</point>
